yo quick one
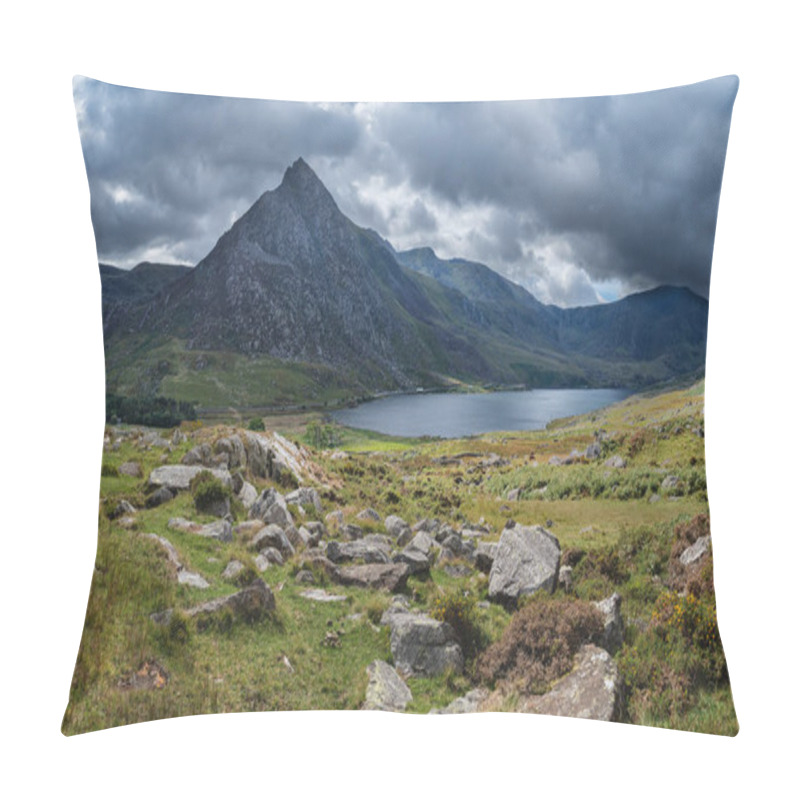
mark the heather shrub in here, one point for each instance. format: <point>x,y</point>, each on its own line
<point>540,643</point>
<point>208,492</point>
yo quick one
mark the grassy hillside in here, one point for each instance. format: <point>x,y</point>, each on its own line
<point>611,527</point>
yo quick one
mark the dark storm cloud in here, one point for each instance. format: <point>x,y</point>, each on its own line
<point>562,196</point>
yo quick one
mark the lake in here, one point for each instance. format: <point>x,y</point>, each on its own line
<point>452,415</point>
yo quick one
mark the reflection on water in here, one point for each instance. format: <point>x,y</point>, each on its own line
<point>453,415</point>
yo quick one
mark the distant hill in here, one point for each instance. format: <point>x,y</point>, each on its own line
<point>295,299</point>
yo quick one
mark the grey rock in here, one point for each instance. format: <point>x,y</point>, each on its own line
<point>670,482</point>
<point>527,560</point>
<point>305,576</point>
<point>317,531</point>
<point>352,532</point>
<point>122,508</point>
<point>247,495</point>
<point>485,553</point>
<point>305,496</point>
<point>369,515</point>
<point>594,451</point>
<point>233,448</point>
<point>131,468</point>
<point>321,596</point>
<point>192,579</point>
<point>271,507</point>
<point>248,528</point>
<point>269,556</point>
<point>386,690</point>
<point>198,455</point>
<point>220,530</point>
<point>613,625</point>
<point>513,494</point>
<point>397,527</point>
<point>232,569</point>
<point>335,519</point>
<point>565,578</point>
<point>695,552</point>
<point>590,691</point>
<point>424,646</point>
<point>391,577</point>
<point>177,477</point>
<point>159,497</point>
<point>654,498</point>
<point>616,462</point>
<point>467,704</point>
<point>273,536</point>
<point>370,552</point>
<point>249,604</point>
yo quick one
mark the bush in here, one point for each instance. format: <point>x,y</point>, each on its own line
<point>256,424</point>
<point>458,610</point>
<point>208,492</point>
<point>540,643</point>
<point>109,471</point>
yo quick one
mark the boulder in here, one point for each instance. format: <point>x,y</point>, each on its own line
<point>122,508</point>
<point>616,462</point>
<point>232,569</point>
<point>391,577</point>
<point>594,451</point>
<point>131,468</point>
<point>386,690</point>
<point>233,448</point>
<point>181,573</point>
<point>198,455</point>
<point>484,556</point>
<point>695,552</point>
<point>248,528</point>
<point>159,497</point>
<point>513,494</point>
<point>221,529</point>
<point>370,552</point>
<point>305,496</point>
<point>317,531</point>
<point>369,515</point>
<point>247,495</point>
<point>249,604</point>
<point>527,560</point>
<point>335,519</point>
<point>273,536</point>
<point>613,625</point>
<point>565,578</point>
<point>271,507</point>
<point>590,691</point>
<point>321,596</point>
<point>670,482</point>
<point>267,557</point>
<point>177,477</point>
<point>424,646</point>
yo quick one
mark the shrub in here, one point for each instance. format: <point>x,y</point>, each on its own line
<point>458,610</point>
<point>256,424</point>
<point>208,492</point>
<point>540,643</point>
<point>109,471</point>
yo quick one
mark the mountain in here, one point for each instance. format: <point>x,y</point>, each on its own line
<point>295,299</point>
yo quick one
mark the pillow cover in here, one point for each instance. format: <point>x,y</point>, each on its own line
<point>404,407</point>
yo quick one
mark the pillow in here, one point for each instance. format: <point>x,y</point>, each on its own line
<point>404,407</point>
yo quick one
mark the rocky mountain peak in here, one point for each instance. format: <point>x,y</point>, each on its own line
<point>300,180</point>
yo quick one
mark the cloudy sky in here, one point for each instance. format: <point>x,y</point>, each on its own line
<point>579,200</point>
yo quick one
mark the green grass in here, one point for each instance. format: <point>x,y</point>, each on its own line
<point>604,512</point>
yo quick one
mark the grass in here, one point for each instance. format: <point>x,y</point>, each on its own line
<point>602,513</point>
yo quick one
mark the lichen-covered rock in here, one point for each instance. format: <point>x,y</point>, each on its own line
<point>249,604</point>
<point>424,646</point>
<point>220,530</point>
<point>177,477</point>
<point>391,577</point>
<point>305,496</point>
<point>368,515</point>
<point>370,552</point>
<point>271,508</point>
<point>613,625</point>
<point>527,560</point>
<point>233,448</point>
<point>386,690</point>
<point>590,691</point>
<point>247,495</point>
<point>467,704</point>
<point>696,551</point>
<point>232,569</point>
<point>273,536</point>
<point>616,462</point>
<point>267,557</point>
<point>131,468</point>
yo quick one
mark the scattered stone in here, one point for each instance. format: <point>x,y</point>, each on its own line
<point>613,625</point>
<point>177,477</point>
<point>331,639</point>
<point>386,690</point>
<point>457,570</point>
<point>370,552</point>
<point>131,468</point>
<point>321,596</point>
<point>468,704</point>
<point>273,536</point>
<point>369,515</point>
<point>181,573</point>
<point>513,494</point>
<point>248,495</point>
<point>555,461</point>
<point>268,557</point>
<point>305,576</point>
<point>159,497</point>
<point>352,532</point>
<point>590,691</point>
<point>484,556</point>
<point>654,498</point>
<point>198,455</point>
<point>670,482</point>
<point>233,448</point>
<point>424,646</point>
<point>178,437</point>
<point>192,579</point>
<point>248,528</point>
<point>335,519</point>
<point>695,552</point>
<point>565,578</point>
<point>593,451</point>
<point>221,529</point>
<point>305,496</point>
<point>232,569</point>
<point>317,531</point>
<point>249,604</point>
<point>527,560</point>
<point>493,460</point>
<point>391,577</point>
<point>616,462</point>
<point>271,508</point>
<point>122,508</point>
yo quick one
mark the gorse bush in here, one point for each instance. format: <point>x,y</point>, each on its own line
<point>540,643</point>
<point>458,610</point>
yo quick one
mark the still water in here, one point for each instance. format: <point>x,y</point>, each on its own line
<point>454,415</point>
